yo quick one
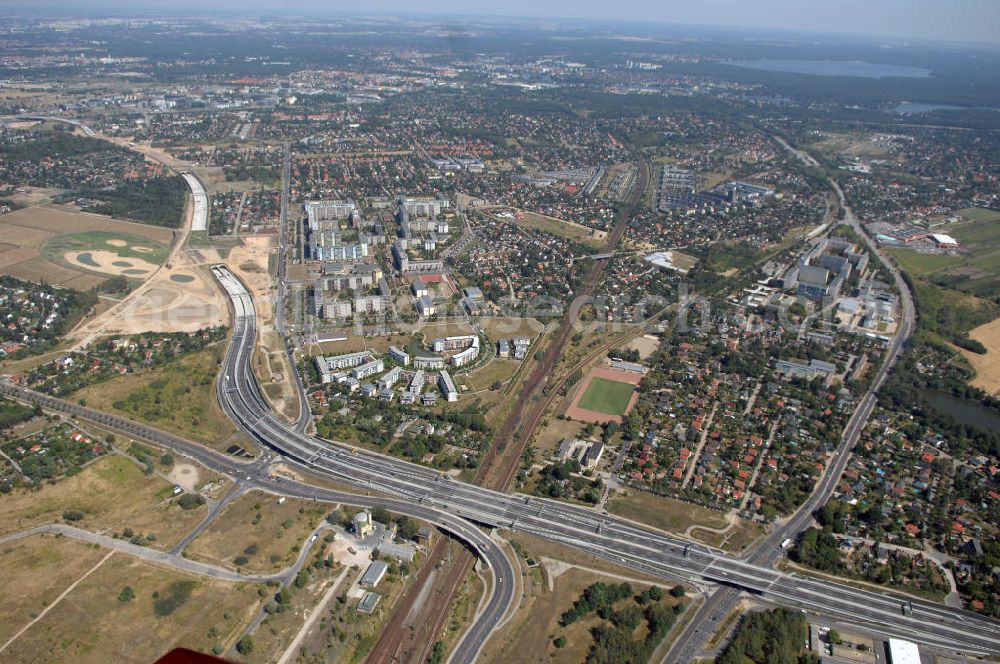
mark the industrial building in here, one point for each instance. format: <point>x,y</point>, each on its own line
<point>902,652</point>
<point>369,602</point>
<point>374,574</point>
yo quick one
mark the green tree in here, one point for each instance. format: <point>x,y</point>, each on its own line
<point>245,645</point>
<point>406,528</point>
<point>126,595</point>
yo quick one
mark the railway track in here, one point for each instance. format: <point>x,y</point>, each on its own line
<point>507,451</point>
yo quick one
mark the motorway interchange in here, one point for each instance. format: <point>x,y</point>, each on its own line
<point>426,491</point>
<point>461,509</point>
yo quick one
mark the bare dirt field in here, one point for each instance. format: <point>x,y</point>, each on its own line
<point>987,366</point>
<point>563,228</point>
<point>34,195</point>
<point>185,475</point>
<point>602,371</point>
<point>182,296</point>
<point>25,231</point>
<point>505,328</point>
<point>646,345</point>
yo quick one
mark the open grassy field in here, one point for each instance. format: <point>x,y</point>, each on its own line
<point>178,396</point>
<point>979,214</point>
<point>354,343</point>
<point>169,609</point>
<point>976,270</point>
<point>530,634</point>
<point>25,233</point>
<point>36,571</point>
<point>667,514</point>
<point>114,494</point>
<point>498,370</point>
<point>256,526</point>
<point>607,396</point>
<point>566,229</point>
<point>918,264</point>
<point>106,252</point>
<point>505,328</point>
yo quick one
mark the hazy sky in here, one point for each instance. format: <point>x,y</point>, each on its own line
<point>947,20</point>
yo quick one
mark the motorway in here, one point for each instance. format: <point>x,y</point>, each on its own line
<point>767,551</point>
<point>634,546</point>
<point>454,506</point>
<point>256,476</point>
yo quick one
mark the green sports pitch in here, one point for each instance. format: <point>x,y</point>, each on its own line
<point>607,396</point>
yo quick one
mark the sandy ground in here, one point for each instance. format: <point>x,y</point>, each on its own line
<point>111,263</point>
<point>185,475</point>
<point>646,345</point>
<point>181,296</point>
<point>602,371</point>
<point>987,366</point>
<point>23,232</point>
<point>249,262</point>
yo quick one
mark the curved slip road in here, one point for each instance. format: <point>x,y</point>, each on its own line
<point>635,546</point>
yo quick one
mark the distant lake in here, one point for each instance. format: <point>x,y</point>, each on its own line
<point>971,413</point>
<point>855,68</point>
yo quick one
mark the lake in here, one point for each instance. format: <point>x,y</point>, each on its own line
<point>855,68</point>
<point>966,412</point>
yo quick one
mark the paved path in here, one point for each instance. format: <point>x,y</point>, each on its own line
<point>147,554</point>
<point>55,602</point>
<point>760,461</point>
<point>313,616</point>
<point>701,445</point>
<point>214,511</point>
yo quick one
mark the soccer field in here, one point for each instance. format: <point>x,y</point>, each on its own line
<point>607,396</point>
